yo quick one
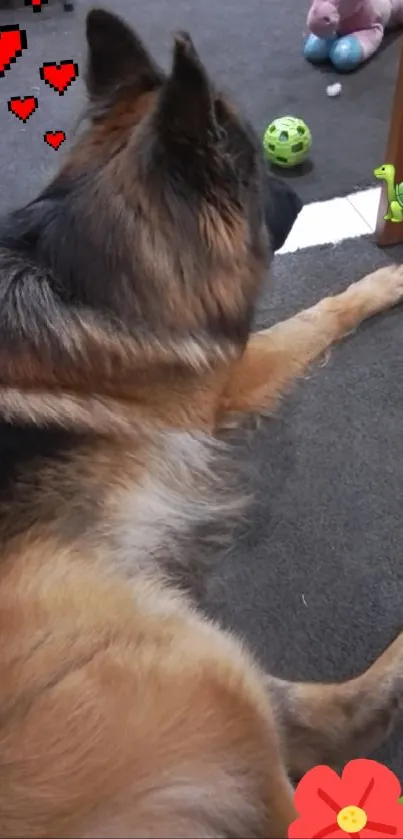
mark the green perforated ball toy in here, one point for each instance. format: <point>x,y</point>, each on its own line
<point>287,141</point>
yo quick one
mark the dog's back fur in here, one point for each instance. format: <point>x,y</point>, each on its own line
<point>127,291</point>
<point>126,287</point>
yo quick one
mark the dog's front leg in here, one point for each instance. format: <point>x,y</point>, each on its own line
<point>275,357</point>
<point>331,724</point>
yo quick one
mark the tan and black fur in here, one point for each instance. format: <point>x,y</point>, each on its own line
<point>127,291</point>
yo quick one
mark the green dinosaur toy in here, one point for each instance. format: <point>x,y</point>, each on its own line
<point>395,193</point>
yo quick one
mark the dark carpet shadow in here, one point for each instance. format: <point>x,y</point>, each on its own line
<point>293,172</point>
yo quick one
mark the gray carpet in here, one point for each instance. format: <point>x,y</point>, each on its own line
<point>315,581</point>
<point>253,48</point>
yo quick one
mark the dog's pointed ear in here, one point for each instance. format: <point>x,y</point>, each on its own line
<point>185,112</point>
<point>117,58</point>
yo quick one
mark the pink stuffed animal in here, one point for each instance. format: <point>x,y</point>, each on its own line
<point>348,32</point>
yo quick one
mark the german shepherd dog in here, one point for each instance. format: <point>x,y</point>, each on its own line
<point>127,292</point>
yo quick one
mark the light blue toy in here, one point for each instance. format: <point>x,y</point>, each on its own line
<point>349,32</point>
<point>345,53</point>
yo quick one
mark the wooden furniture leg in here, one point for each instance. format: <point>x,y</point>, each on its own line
<point>389,233</point>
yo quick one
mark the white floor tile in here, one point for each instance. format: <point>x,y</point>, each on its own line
<point>366,203</point>
<point>325,222</point>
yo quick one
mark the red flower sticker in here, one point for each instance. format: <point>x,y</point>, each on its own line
<point>362,803</point>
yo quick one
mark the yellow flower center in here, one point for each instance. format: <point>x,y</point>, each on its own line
<point>352,819</point>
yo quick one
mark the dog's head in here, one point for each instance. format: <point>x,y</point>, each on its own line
<point>159,226</point>
<point>282,206</point>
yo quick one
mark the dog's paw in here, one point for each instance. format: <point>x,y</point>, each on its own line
<point>381,289</point>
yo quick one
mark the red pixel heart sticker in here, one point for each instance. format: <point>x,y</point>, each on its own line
<point>54,138</point>
<point>13,41</point>
<point>22,107</point>
<point>59,76</point>
<point>36,4</point>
